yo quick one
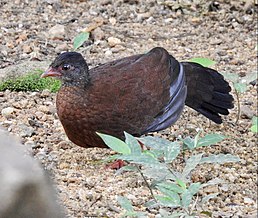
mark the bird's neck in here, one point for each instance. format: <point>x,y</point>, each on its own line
<point>79,82</point>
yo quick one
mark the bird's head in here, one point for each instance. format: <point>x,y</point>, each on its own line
<point>70,68</point>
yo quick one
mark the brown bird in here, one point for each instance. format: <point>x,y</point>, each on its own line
<point>137,94</point>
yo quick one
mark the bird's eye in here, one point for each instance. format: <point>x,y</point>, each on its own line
<point>66,66</point>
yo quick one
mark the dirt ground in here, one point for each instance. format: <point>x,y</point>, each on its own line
<point>224,31</point>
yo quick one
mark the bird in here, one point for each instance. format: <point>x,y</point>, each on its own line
<point>138,94</point>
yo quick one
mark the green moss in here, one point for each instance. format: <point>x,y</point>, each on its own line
<point>30,82</point>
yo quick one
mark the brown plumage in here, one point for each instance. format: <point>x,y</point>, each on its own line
<point>137,94</point>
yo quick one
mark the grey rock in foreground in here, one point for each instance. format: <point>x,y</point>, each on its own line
<point>25,191</point>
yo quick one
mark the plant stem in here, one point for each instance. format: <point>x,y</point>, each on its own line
<point>238,107</point>
<point>146,182</point>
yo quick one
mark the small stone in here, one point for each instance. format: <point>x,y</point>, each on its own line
<point>211,189</point>
<point>6,112</point>
<point>247,112</point>
<point>30,144</point>
<point>98,34</point>
<point>25,131</point>
<point>112,20</point>
<point>39,114</point>
<point>63,145</point>
<point>26,49</point>
<point>112,41</point>
<point>224,188</point>
<point>108,53</point>
<point>45,93</point>
<point>60,48</point>
<point>248,201</point>
<point>56,32</point>
<point>43,109</point>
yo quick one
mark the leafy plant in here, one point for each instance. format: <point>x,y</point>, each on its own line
<point>203,61</point>
<point>254,127</point>
<point>30,82</point>
<point>240,86</point>
<point>154,165</point>
<point>80,39</point>
<point>128,207</point>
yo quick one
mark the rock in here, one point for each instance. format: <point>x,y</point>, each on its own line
<point>112,20</point>
<point>112,41</point>
<point>24,188</point>
<point>61,48</point>
<point>247,112</point>
<point>98,34</point>
<point>25,131</point>
<point>108,53</point>
<point>248,201</point>
<point>45,93</point>
<point>56,32</point>
<point>6,112</point>
<point>27,49</point>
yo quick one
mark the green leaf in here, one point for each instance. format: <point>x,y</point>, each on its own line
<point>80,39</point>
<point>213,182</point>
<point>249,78</point>
<point>196,139</point>
<point>203,61</point>
<point>194,188</point>
<point>189,142</point>
<point>155,142</point>
<point>126,169</point>
<point>210,139</point>
<point>125,203</point>
<point>170,186</point>
<point>133,143</point>
<point>240,87</point>
<point>189,193</point>
<point>158,172</point>
<point>255,120</point>
<point>170,193</point>
<point>233,77</point>
<point>191,163</point>
<point>142,158</point>
<point>115,143</point>
<point>254,127</point>
<point>168,201</point>
<point>220,158</point>
<point>171,152</point>
<point>208,197</point>
<point>181,183</point>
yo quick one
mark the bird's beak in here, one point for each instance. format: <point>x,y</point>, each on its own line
<point>53,72</point>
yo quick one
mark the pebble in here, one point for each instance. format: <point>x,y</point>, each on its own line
<point>247,112</point>
<point>98,34</point>
<point>112,41</point>
<point>248,201</point>
<point>25,131</point>
<point>108,53</point>
<point>6,112</point>
<point>30,144</point>
<point>61,48</point>
<point>43,108</point>
<point>56,32</point>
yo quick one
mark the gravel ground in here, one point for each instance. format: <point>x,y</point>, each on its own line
<point>119,28</point>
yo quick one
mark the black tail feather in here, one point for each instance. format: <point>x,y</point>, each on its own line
<point>207,91</point>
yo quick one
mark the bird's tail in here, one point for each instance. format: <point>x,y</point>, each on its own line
<point>207,91</point>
